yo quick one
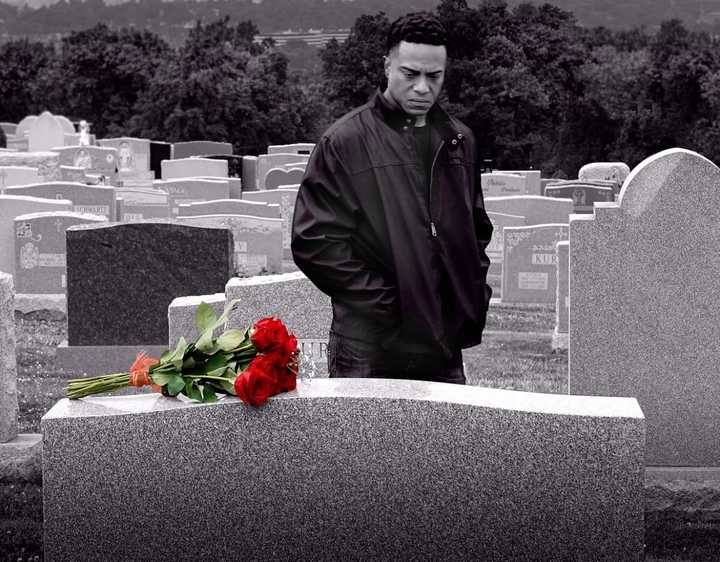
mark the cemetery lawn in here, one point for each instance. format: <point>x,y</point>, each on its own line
<point>516,354</point>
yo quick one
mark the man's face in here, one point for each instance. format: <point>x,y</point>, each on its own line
<point>415,74</point>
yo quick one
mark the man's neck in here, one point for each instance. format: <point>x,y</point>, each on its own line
<point>419,119</point>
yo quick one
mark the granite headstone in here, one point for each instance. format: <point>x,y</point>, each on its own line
<point>582,195</point>
<point>536,209</point>
<point>279,176</point>
<point>494,250</point>
<point>297,148</point>
<point>45,133</point>
<point>230,207</point>
<point>498,185</point>
<point>285,197</point>
<point>192,190</point>
<point>92,199</point>
<point>200,148</point>
<point>193,167</point>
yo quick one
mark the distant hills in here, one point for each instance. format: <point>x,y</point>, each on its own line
<point>45,18</point>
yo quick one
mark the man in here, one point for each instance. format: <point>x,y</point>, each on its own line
<point>389,222</point>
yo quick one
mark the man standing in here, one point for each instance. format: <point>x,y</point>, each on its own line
<point>389,222</point>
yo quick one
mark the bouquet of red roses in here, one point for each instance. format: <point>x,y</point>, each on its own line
<point>253,364</point>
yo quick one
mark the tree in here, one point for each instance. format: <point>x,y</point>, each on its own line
<point>22,61</point>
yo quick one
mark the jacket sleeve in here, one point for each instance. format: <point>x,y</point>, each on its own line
<point>325,219</point>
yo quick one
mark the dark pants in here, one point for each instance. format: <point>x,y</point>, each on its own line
<point>348,357</point>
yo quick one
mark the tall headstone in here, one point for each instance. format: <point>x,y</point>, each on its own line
<point>194,167</point>
<point>159,151</point>
<point>95,200</point>
<point>257,241</point>
<point>45,133</point>
<point>530,263</point>
<point>23,127</point>
<point>12,206</point>
<point>494,250</point>
<point>644,296</point>
<point>536,209</point>
<point>200,148</point>
<point>40,265</point>
<point>8,368</point>
<point>285,197</point>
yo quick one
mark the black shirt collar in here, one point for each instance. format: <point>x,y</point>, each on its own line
<point>397,118</point>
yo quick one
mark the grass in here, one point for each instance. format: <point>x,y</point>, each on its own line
<point>515,354</point>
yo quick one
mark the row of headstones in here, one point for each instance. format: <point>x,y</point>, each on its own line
<point>33,224</point>
<point>642,276</point>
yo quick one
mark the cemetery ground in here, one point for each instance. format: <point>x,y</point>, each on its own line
<point>516,354</point>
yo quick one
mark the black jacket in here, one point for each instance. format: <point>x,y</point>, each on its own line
<point>367,232</point>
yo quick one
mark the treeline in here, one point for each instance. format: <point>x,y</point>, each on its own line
<point>537,89</point>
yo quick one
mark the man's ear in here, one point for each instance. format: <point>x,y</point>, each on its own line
<point>386,65</point>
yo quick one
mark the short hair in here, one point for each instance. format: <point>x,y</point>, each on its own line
<point>416,27</point>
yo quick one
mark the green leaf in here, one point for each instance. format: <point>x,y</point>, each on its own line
<point>188,363</point>
<point>177,357</point>
<point>205,317</point>
<point>208,393</point>
<point>227,386</point>
<point>175,385</point>
<point>162,379</point>
<point>192,391</point>
<point>230,339</point>
<point>205,341</point>
<point>216,361</point>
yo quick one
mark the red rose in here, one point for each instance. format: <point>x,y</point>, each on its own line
<point>268,334</point>
<point>258,382</point>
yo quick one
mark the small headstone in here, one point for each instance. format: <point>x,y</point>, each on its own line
<point>644,296</point>
<point>16,143</point>
<point>533,179</point>
<point>200,148</point>
<point>297,148</point>
<point>47,164</point>
<point>45,133</point>
<point>291,297</point>
<point>94,159</point>
<point>498,185</point>
<point>530,263</point>
<point>143,203</point>
<point>494,250</point>
<point>278,176</point>
<point>192,190</point>
<point>562,301</point>
<point>8,128</point>
<point>40,250</point>
<point>194,167</point>
<point>231,207</point>
<point>535,208</point>
<point>159,151</point>
<point>8,372</point>
<point>266,162</point>
<point>582,195</point>
<point>613,171</point>
<point>249,173</point>
<point>12,206</point>
<point>285,197</point>
<point>18,175</point>
<point>95,200</point>
<point>235,163</point>
<point>122,278</point>
<point>72,174</point>
<point>257,241</point>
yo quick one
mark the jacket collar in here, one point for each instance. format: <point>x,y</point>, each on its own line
<point>397,118</point>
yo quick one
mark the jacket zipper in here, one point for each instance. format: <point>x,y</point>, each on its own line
<point>433,231</point>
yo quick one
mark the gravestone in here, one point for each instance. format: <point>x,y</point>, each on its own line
<point>15,143</point>
<point>192,190</point>
<point>530,263</point>
<point>231,207</point>
<point>498,185</point>
<point>295,165</point>
<point>535,208</point>
<point>249,173</point>
<point>235,185</point>
<point>278,176</point>
<point>297,148</point>
<point>143,203</point>
<point>12,206</point>
<point>159,151</point>
<point>65,123</point>
<point>72,174</point>
<point>285,197</point>
<point>235,163</point>
<point>45,133</point>
<point>40,263</point>
<point>194,167</point>
<point>8,372</point>
<point>92,199</point>
<point>18,175</point>
<point>94,159</point>
<point>121,279</point>
<point>133,160</point>
<point>346,469</point>
<point>23,127</point>
<point>533,179</point>
<point>583,195</point>
<point>494,250</point>
<point>266,162</point>
<point>8,128</point>
<point>182,317</point>
<point>200,148</point>
<point>562,302</point>
<point>47,164</point>
<point>613,171</point>
<point>295,300</point>
<point>644,292</point>
<point>257,241</point>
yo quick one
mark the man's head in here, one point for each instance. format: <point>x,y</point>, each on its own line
<point>415,62</point>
